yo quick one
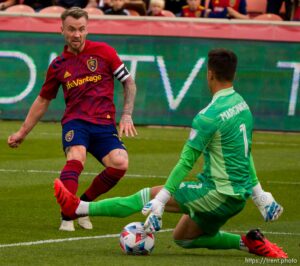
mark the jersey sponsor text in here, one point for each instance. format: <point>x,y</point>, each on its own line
<point>80,81</point>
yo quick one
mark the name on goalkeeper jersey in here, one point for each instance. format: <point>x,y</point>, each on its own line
<point>233,111</point>
<point>78,82</point>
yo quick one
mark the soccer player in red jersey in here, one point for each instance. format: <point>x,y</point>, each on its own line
<point>86,72</point>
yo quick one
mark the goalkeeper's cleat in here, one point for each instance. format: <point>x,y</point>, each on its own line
<point>257,244</point>
<point>67,226</point>
<point>67,201</point>
<point>268,207</point>
<point>85,223</point>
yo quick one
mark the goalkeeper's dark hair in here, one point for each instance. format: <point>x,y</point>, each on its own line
<point>222,63</point>
<point>74,12</point>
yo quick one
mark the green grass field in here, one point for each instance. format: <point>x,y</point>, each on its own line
<point>29,213</point>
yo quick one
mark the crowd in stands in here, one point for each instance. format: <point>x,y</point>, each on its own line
<point>226,9</point>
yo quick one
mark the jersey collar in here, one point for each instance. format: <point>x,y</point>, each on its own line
<point>223,92</point>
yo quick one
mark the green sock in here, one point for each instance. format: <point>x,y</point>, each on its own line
<point>120,206</point>
<point>221,240</point>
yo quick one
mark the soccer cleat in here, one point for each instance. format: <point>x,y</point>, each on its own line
<point>268,207</point>
<point>67,226</point>
<point>67,201</point>
<point>257,244</point>
<point>85,223</point>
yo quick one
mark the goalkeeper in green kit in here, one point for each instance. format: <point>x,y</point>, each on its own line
<point>222,132</point>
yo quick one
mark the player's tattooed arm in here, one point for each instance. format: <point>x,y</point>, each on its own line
<point>126,123</point>
<point>129,95</point>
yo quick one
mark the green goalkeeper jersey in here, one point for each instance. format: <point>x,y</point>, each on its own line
<point>223,133</point>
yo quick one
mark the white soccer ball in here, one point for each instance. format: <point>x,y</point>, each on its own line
<point>135,241</point>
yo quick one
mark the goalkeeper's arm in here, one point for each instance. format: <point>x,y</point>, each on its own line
<point>155,207</point>
<point>188,158</point>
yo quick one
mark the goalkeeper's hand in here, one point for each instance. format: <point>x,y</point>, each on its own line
<point>155,209</point>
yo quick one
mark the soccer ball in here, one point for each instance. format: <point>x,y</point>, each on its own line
<point>135,241</point>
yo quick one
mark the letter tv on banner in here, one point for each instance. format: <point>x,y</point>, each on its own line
<point>170,73</point>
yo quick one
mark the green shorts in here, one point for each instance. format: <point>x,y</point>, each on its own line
<point>206,206</point>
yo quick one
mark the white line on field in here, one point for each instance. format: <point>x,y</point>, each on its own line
<point>127,175</point>
<point>84,173</point>
<point>50,241</point>
<point>175,139</point>
<point>276,143</point>
<point>284,182</point>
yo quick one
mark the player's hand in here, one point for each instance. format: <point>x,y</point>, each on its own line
<point>126,126</point>
<point>155,209</point>
<point>15,140</point>
<point>154,206</point>
<point>157,205</point>
<point>153,223</point>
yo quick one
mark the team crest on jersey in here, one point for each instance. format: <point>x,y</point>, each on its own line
<point>92,64</point>
<point>69,135</point>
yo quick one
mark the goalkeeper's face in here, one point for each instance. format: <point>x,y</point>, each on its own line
<point>75,31</point>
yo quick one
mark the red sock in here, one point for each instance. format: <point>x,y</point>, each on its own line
<point>70,173</point>
<point>102,183</point>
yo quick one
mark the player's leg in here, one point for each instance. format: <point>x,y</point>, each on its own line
<point>74,144</point>
<point>73,207</point>
<point>188,234</point>
<point>206,212</point>
<point>108,149</point>
<point>116,164</point>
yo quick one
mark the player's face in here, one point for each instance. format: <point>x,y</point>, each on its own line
<point>75,31</point>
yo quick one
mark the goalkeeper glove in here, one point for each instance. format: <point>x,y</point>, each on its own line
<point>155,209</point>
<point>268,207</point>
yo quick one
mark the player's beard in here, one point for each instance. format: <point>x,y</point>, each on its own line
<point>76,45</point>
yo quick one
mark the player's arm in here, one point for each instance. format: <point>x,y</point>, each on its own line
<point>252,171</point>
<point>185,164</point>
<point>126,123</point>
<point>269,208</point>
<point>155,207</point>
<point>36,111</point>
<point>203,129</point>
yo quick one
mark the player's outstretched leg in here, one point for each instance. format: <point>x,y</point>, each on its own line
<point>73,207</point>
<point>268,207</point>
<point>67,201</point>
<point>257,244</point>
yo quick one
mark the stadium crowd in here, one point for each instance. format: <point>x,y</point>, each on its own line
<point>226,9</point>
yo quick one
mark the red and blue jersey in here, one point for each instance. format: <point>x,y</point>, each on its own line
<point>219,7</point>
<point>87,80</point>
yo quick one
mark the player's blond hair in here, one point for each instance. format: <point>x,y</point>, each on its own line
<point>74,12</point>
<point>161,3</point>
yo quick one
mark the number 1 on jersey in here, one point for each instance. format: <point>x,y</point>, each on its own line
<point>246,146</point>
